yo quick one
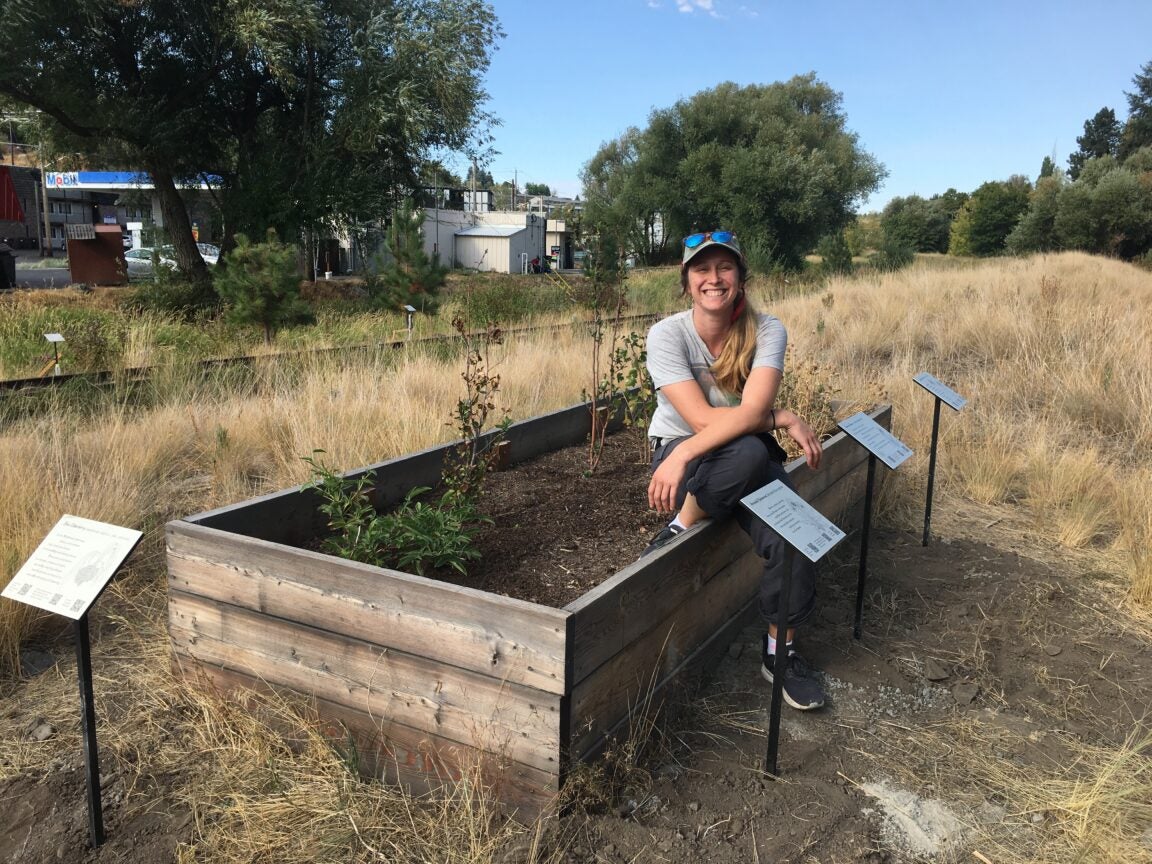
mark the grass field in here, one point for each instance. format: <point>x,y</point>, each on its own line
<point>1054,354</point>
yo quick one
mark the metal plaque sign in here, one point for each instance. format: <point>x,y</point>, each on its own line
<point>876,439</point>
<point>72,565</point>
<point>941,391</point>
<point>794,519</point>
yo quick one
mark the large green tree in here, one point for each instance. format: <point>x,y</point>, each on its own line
<point>1036,230</point>
<point>1101,138</point>
<point>1138,129</point>
<point>916,224</point>
<point>983,224</point>
<point>776,163</point>
<point>1107,210</point>
<point>305,114</point>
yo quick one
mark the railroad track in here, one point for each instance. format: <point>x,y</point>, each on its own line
<point>141,374</point>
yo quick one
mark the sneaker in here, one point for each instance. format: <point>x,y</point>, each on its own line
<point>801,689</point>
<point>667,534</point>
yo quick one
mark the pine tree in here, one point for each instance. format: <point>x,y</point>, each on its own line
<point>1101,138</point>
<point>1138,129</point>
<point>413,278</point>
<point>260,285</point>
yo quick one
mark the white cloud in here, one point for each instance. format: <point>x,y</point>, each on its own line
<point>690,6</point>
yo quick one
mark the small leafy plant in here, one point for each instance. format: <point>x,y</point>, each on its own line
<point>628,384</point>
<point>416,536</point>
<point>420,535</point>
<point>469,462</point>
<point>604,293</point>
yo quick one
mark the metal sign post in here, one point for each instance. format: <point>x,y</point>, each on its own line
<point>55,339</point>
<point>865,531</point>
<point>69,569</point>
<point>880,444</point>
<point>806,530</point>
<point>88,727</point>
<point>953,400</point>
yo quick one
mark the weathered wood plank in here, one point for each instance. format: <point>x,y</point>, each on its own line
<point>625,606</point>
<point>456,704</point>
<point>606,695</point>
<point>682,680</point>
<point>497,636</point>
<point>415,759</point>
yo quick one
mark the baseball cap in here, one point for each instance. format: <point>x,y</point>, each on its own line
<point>695,243</point>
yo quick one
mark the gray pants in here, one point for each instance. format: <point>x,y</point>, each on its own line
<point>719,480</point>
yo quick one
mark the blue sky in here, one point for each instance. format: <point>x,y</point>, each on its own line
<point>944,94</point>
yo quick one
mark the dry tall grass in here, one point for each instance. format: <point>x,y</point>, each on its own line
<point>1054,354</point>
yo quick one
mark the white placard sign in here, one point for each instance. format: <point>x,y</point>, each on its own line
<point>72,565</point>
<point>794,519</point>
<point>879,441</point>
<point>941,391</point>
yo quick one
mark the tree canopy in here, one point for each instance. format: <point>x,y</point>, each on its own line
<point>917,224</point>
<point>1138,129</point>
<point>984,222</point>
<point>1107,210</point>
<point>305,114</point>
<point>1101,138</point>
<point>775,163</point>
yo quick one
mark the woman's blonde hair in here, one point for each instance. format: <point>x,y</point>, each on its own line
<point>734,364</point>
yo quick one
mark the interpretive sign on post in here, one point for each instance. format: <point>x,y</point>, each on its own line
<point>794,519</point>
<point>65,575</point>
<point>883,445</point>
<point>876,439</point>
<point>941,391</point>
<point>71,566</point>
<point>805,529</point>
<point>954,401</point>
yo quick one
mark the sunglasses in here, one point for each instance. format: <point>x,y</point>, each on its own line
<point>694,240</point>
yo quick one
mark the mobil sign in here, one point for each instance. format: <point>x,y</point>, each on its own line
<point>63,179</point>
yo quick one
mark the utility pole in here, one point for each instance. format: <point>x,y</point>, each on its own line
<point>473,205</point>
<point>515,182</point>
<point>46,246</point>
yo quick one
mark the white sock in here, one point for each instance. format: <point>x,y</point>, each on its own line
<point>677,524</point>
<point>772,646</point>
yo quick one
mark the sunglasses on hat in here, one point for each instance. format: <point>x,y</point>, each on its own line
<point>694,240</point>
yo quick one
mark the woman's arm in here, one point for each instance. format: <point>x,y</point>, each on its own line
<point>714,427</point>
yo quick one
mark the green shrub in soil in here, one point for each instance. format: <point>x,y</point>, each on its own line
<point>415,537</point>
<point>421,534</point>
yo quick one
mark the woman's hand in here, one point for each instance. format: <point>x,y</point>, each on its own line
<point>803,434</point>
<point>665,482</point>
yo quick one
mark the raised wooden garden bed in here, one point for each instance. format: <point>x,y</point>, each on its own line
<point>429,679</point>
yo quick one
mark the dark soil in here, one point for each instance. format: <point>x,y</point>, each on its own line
<point>985,647</point>
<point>567,529</point>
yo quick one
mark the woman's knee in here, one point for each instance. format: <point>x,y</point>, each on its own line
<point>752,455</point>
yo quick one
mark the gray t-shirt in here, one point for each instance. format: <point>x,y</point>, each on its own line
<point>677,353</point>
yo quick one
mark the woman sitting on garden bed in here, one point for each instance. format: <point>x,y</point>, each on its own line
<point>717,368</point>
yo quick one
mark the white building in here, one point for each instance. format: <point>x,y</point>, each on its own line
<point>501,242</point>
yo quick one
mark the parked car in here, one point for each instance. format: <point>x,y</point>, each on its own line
<point>139,262</point>
<point>209,252</point>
